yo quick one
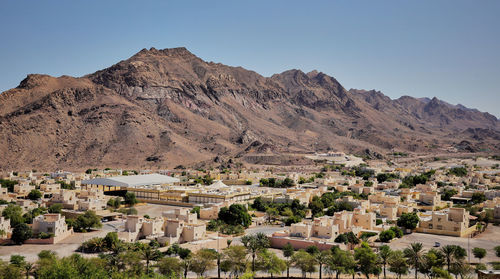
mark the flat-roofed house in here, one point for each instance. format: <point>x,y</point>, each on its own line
<point>452,221</point>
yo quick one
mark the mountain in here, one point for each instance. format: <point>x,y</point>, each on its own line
<point>163,108</point>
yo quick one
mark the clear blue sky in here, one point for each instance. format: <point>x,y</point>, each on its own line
<point>449,49</point>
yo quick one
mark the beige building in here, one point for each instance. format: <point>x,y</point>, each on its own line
<point>23,188</point>
<point>54,224</point>
<point>452,221</point>
<point>381,197</point>
<point>322,227</point>
<point>218,192</point>
<point>50,188</point>
<point>140,227</point>
<point>5,227</point>
<point>182,214</point>
<point>65,197</point>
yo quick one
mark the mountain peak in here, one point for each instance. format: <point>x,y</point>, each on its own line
<point>173,52</point>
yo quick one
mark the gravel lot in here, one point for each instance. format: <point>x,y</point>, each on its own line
<point>487,240</point>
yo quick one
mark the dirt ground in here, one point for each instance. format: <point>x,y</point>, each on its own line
<point>487,240</point>
<point>64,248</point>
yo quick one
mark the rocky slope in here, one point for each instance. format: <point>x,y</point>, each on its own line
<point>163,108</point>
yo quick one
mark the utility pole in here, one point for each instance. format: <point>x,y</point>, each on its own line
<point>468,247</point>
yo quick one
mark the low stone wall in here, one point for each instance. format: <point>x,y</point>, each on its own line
<point>52,240</point>
<point>164,202</point>
<point>463,233</point>
<point>280,242</point>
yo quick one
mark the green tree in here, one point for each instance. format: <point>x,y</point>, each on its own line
<point>288,252</point>
<point>34,195</point>
<point>130,199</point>
<point>21,233</point>
<point>497,250</point>
<point>47,255</point>
<point>414,255</point>
<point>352,239</point>
<point>259,204</point>
<point>408,221</point>
<point>321,259</point>
<point>236,214</point>
<point>202,261</point>
<point>170,267</point>
<point>478,198</point>
<point>9,184</point>
<point>234,260</point>
<point>453,254</point>
<point>387,235</point>
<point>433,258</point>
<point>398,264</point>
<point>304,261</point>
<point>87,221</point>
<point>479,253</point>
<point>316,207</point>
<point>55,208</point>
<point>272,214</point>
<point>397,231</point>
<point>28,269</point>
<point>268,261</point>
<point>9,271</point>
<point>367,260</point>
<point>255,243</point>
<point>340,262</point>
<point>384,253</point>
<point>14,213</point>
<point>196,210</point>
<point>18,260</point>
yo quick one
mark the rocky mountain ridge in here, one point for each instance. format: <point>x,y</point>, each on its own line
<point>163,108</point>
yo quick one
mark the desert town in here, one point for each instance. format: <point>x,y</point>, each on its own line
<point>298,218</point>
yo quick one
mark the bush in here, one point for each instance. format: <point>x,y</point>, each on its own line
<point>366,235</point>
<point>408,220</point>
<point>458,171</point>
<point>130,199</point>
<point>34,195</point>
<point>397,231</point>
<point>44,235</point>
<point>55,208</point>
<point>87,221</point>
<point>387,236</point>
<point>21,233</point>
<point>236,214</point>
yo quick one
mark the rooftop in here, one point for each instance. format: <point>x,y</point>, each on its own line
<point>133,180</point>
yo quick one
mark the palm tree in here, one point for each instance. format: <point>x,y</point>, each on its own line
<point>149,254</point>
<point>28,267</point>
<point>384,253</point>
<point>448,251</point>
<point>414,254</point>
<point>322,258</point>
<point>255,243</point>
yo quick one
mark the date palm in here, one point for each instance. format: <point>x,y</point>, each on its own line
<point>414,254</point>
<point>384,254</point>
<point>255,243</point>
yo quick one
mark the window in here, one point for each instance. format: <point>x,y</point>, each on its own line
<point>430,226</point>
